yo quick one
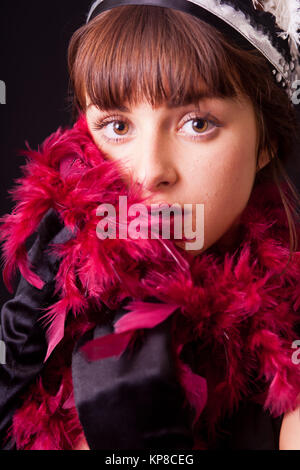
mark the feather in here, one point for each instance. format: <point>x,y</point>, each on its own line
<point>241,298</point>
<point>107,346</point>
<point>287,13</point>
<point>143,315</point>
<point>196,389</point>
<point>56,316</point>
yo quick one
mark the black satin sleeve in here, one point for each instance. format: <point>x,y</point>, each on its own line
<point>251,428</point>
<point>22,335</point>
<point>134,401</point>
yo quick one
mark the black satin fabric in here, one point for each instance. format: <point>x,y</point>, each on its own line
<point>251,428</point>
<point>21,332</point>
<point>134,402</point>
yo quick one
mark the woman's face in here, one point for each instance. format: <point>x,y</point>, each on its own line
<point>204,154</point>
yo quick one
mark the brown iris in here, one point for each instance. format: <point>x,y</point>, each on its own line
<point>201,126</point>
<point>120,127</point>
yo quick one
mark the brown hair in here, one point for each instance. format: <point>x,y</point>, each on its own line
<point>163,55</point>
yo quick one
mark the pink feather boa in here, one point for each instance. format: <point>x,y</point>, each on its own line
<point>236,305</point>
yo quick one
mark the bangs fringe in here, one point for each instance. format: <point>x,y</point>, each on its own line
<point>127,54</point>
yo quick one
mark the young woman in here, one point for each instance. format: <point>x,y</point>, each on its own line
<point>152,342</point>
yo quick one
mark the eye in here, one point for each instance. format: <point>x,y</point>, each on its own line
<point>196,127</point>
<point>200,125</point>
<point>114,126</point>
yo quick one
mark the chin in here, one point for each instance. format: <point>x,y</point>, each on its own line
<point>182,245</point>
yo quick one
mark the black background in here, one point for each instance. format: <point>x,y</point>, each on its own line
<point>34,37</point>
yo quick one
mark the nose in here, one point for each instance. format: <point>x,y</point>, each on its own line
<point>155,166</point>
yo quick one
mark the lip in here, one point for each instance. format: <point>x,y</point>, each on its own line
<point>181,210</point>
<point>171,222</point>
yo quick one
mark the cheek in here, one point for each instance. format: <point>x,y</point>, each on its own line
<point>223,180</point>
<point>117,154</point>
<point>96,139</point>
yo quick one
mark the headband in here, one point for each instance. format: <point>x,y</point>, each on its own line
<point>271,26</point>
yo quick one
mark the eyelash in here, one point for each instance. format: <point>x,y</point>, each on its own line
<point>100,124</point>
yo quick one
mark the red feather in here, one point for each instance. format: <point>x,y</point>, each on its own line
<point>238,305</point>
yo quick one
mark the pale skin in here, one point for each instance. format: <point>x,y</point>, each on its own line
<point>290,431</point>
<point>190,154</point>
